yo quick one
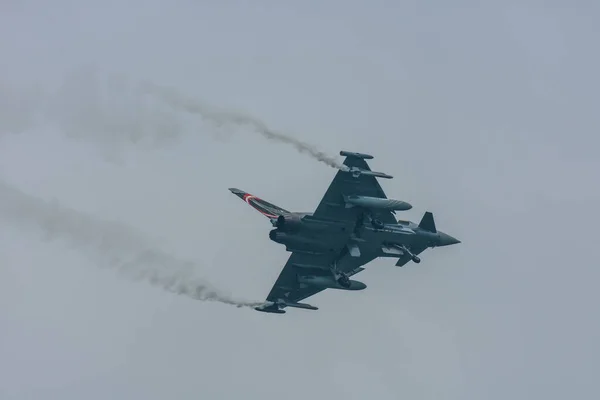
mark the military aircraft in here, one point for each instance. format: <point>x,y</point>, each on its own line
<point>352,225</point>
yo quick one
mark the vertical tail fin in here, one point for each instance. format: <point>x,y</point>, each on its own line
<point>427,223</point>
<point>267,209</point>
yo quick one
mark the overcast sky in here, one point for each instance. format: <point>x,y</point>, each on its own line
<point>485,115</point>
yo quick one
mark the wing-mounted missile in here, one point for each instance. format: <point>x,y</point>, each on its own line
<point>282,302</point>
<point>344,153</point>
<point>327,282</point>
<point>376,203</point>
<point>356,172</point>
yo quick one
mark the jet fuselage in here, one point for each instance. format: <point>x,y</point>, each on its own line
<point>386,240</point>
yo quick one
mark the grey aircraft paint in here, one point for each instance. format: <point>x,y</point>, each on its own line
<point>353,224</point>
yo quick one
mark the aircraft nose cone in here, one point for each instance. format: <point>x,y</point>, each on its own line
<point>447,240</point>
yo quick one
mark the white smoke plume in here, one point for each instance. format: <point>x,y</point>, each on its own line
<point>117,110</point>
<point>109,244</point>
<point>181,102</point>
<point>18,107</point>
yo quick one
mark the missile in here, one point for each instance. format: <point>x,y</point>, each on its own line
<point>373,173</point>
<point>305,306</point>
<point>356,172</point>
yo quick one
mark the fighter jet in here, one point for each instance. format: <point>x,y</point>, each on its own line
<point>352,225</point>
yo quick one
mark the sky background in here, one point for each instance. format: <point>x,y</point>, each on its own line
<point>486,115</point>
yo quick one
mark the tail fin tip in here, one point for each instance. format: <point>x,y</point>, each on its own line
<point>267,209</point>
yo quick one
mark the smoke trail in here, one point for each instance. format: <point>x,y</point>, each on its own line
<point>116,110</point>
<point>181,102</point>
<point>109,244</point>
<point>18,107</point>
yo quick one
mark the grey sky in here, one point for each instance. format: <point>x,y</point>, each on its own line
<point>485,115</point>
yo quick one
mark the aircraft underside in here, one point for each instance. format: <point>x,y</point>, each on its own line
<point>352,225</point>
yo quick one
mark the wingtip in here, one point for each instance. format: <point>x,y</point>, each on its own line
<point>364,156</point>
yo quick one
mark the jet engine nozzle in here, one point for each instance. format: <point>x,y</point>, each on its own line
<point>288,222</point>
